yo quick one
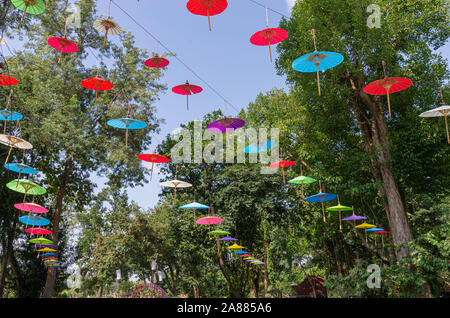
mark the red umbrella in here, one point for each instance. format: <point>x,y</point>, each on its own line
<point>269,37</point>
<point>281,164</point>
<point>187,89</point>
<point>153,158</point>
<point>387,86</point>
<point>157,62</point>
<point>97,84</point>
<point>6,80</point>
<point>39,231</point>
<point>207,8</point>
<point>62,44</point>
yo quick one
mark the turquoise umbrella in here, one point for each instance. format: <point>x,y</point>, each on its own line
<point>194,206</point>
<point>317,61</point>
<point>34,220</point>
<point>259,146</point>
<point>322,197</point>
<point>126,123</point>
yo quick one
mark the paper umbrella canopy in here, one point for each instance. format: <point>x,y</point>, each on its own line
<point>187,89</point>
<point>226,125</point>
<point>9,115</point>
<point>34,220</point>
<point>29,6</point>
<point>26,186</point>
<point>6,80</point>
<point>207,8</point>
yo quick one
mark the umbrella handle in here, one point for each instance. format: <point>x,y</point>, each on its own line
<point>389,103</point>
<point>318,78</point>
<point>126,138</point>
<point>24,11</point>
<point>151,172</point>
<point>60,56</point>
<point>284,178</point>
<point>187,102</point>
<point>106,36</point>
<point>340,221</point>
<point>323,213</point>
<point>446,126</point>
<point>209,18</point>
<point>9,153</point>
<point>270,52</point>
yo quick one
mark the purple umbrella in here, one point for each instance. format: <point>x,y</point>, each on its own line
<point>228,238</point>
<point>353,218</point>
<point>45,245</point>
<point>225,125</point>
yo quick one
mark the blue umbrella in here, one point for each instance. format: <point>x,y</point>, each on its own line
<point>322,197</point>
<point>21,168</point>
<point>8,115</point>
<point>374,229</point>
<point>47,254</point>
<point>317,61</point>
<point>240,252</point>
<point>194,205</point>
<point>259,147</point>
<point>127,123</point>
<point>34,220</point>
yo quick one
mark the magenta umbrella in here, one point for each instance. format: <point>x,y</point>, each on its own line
<point>208,220</point>
<point>30,208</point>
<point>225,125</point>
<point>354,218</point>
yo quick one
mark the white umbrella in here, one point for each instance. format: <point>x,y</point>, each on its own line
<point>107,26</point>
<point>175,184</point>
<point>16,142</point>
<point>437,112</point>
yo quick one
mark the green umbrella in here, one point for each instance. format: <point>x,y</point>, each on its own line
<point>29,6</point>
<point>26,186</point>
<point>340,208</point>
<point>302,179</point>
<point>220,232</point>
<point>40,240</point>
<point>248,258</point>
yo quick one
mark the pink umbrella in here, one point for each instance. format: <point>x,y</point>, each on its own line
<point>208,220</point>
<point>39,231</point>
<point>30,208</point>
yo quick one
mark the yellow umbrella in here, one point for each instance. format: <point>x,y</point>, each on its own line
<point>364,226</point>
<point>235,246</point>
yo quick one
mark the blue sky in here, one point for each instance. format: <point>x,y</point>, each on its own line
<point>224,58</point>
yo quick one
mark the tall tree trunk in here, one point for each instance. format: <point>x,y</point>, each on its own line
<point>266,274</point>
<point>379,141</point>
<point>63,181</point>
<point>8,253</point>
<point>233,291</point>
<point>196,292</point>
<point>401,231</point>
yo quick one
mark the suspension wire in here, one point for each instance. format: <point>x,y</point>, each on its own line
<point>176,57</point>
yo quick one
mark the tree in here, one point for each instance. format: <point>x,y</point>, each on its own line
<point>66,127</point>
<point>404,42</point>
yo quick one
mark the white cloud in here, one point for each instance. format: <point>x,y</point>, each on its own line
<point>290,3</point>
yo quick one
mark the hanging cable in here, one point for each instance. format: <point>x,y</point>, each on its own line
<point>176,57</point>
<point>261,5</point>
